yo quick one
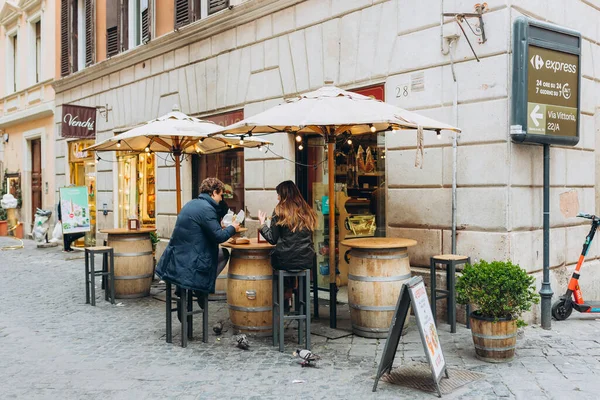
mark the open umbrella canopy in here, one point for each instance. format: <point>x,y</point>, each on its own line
<point>337,109</point>
<point>331,111</point>
<point>175,133</point>
<point>172,133</point>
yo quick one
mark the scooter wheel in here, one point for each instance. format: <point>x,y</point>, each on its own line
<point>560,311</point>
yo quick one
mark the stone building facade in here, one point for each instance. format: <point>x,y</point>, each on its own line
<point>254,54</point>
<point>27,104</point>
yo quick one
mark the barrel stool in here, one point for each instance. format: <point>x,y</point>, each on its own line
<point>107,273</point>
<point>450,261</point>
<point>187,313</point>
<point>302,312</point>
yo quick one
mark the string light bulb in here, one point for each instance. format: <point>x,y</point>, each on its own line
<point>200,140</point>
<point>372,127</point>
<point>298,139</point>
<point>439,135</point>
<point>260,148</point>
<point>349,141</point>
<point>147,149</point>
<point>118,144</point>
<point>301,147</point>
<point>242,140</point>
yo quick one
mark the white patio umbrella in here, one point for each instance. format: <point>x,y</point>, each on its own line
<point>175,133</point>
<point>331,111</point>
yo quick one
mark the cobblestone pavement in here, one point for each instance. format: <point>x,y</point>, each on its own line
<point>54,346</point>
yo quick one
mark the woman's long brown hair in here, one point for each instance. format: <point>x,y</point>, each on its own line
<point>292,210</point>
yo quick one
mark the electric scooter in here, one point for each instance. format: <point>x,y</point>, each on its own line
<point>573,299</point>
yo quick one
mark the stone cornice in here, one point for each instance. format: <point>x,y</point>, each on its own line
<point>39,111</point>
<point>195,32</point>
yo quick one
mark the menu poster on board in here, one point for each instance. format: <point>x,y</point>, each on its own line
<point>426,326</point>
<point>74,209</point>
<point>413,294</point>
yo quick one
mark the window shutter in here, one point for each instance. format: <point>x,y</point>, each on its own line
<point>90,33</point>
<point>217,5</point>
<point>146,20</point>
<point>74,36</point>
<point>182,13</point>
<point>112,27</point>
<point>124,25</point>
<point>65,48</point>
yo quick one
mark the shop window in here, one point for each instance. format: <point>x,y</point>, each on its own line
<point>82,167</point>
<point>227,167</point>
<point>137,188</point>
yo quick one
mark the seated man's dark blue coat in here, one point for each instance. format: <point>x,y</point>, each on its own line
<point>190,259</point>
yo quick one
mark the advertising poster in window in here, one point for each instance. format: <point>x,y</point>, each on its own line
<point>75,209</point>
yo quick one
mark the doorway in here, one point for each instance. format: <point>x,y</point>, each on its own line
<point>36,176</point>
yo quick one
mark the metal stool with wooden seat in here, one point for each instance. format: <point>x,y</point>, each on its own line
<point>185,301</point>
<point>107,273</point>
<point>450,261</point>
<point>302,312</point>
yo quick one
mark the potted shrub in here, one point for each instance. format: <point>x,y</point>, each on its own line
<point>500,292</point>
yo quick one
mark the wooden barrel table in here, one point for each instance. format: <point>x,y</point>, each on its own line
<point>250,288</point>
<point>134,262</point>
<point>378,268</point>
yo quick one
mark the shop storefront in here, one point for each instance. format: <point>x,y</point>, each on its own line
<point>360,185</point>
<point>227,166</point>
<point>79,128</point>
<point>137,188</point>
<point>82,171</point>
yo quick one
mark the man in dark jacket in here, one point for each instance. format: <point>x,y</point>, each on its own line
<point>190,259</point>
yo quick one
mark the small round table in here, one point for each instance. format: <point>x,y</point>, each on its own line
<point>134,261</point>
<point>250,288</point>
<point>378,268</point>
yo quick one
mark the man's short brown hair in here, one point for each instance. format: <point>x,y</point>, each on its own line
<point>209,185</point>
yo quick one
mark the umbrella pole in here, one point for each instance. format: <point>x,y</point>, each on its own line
<point>332,260</point>
<point>178,179</point>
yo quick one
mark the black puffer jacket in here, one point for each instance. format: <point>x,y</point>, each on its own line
<point>190,259</point>
<point>293,250</point>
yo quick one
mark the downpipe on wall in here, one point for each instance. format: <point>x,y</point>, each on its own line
<point>451,41</point>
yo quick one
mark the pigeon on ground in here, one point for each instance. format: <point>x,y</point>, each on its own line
<point>218,328</point>
<point>242,341</point>
<point>306,356</point>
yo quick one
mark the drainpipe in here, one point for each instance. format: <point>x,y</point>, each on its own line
<point>451,41</point>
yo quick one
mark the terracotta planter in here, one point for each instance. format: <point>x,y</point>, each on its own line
<point>494,341</point>
<point>3,228</point>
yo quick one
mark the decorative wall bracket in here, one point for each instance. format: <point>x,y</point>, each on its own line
<point>103,110</point>
<point>478,31</point>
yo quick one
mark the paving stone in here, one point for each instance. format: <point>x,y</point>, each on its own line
<point>53,345</point>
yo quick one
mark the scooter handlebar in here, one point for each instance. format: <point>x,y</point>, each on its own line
<point>586,216</point>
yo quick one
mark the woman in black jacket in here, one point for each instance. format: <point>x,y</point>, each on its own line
<point>292,226</point>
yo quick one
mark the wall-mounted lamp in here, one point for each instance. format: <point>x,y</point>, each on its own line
<point>104,208</point>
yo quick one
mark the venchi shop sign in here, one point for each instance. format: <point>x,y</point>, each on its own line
<point>78,122</point>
